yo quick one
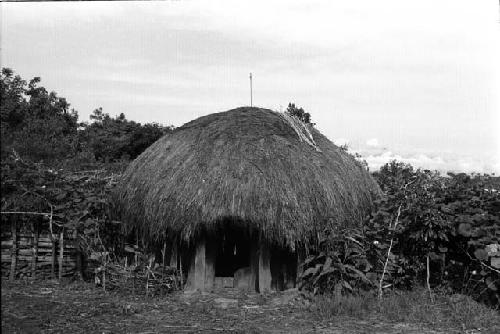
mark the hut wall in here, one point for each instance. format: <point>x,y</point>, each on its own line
<point>301,257</point>
<point>254,267</point>
<point>270,268</point>
<point>173,255</point>
<point>199,266</point>
<point>283,269</point>
<point>32,255</point>
<point>201,275</point>
<point>210,258</point>
<point>264,268</point>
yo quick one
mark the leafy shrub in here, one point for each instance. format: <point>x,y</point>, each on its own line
<point>426,229</point>
<point>341,266</point>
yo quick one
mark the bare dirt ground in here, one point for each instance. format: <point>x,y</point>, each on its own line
<point>51,307</point>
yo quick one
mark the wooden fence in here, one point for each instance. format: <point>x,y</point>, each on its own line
<point>31,253</point>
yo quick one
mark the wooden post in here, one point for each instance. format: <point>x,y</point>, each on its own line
<point>13,250</point>
<point>264,267</point>
<point>197,268</point>
<point>136,247</point>
<point>190,272</point>
<point>173,255</point>
<point>35,250</point>
<point>61,253</point>
<point>301,257</point>
<point>133,281</point>
<point>180,272</point>
<point>210,257</point>
<point>78,254</point>
<point>254,266</point>
<point>251,91</point>
<point>163,254</point>
<point>53,263</point>
<point>104,275</point>
<point>200,265</point>
<point>150,265</point>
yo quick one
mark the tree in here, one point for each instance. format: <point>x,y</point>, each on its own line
<point>35,123</point>
<point>13,100</point>
<point>299,113</point>
<point>112,139</point>
<point>40,125</point>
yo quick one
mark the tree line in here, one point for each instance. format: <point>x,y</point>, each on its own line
<point>41,126</point>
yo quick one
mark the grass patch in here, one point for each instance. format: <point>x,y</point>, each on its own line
<point>446,311</point>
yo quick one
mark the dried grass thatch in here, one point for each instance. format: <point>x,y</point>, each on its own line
<point>247,166</point>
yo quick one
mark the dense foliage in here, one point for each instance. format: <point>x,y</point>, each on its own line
<point>59,199</point>
<point>113,139</point>
<point>441,231</point>
<point>34,122</point>
<point>40,125</point>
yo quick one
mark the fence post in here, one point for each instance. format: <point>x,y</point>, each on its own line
<point>53,263</point>
<point>35,250</point>
<point>13,250</point>
<point>61,253</point>
<point>78,259</point>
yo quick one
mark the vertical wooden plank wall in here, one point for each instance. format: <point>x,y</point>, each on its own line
<point>173,255</point>
<point>27,251</point>
<point>254,266</point>
<point>210,258</point>
<point>301,257</point>
<point>200,265</point>
<point>201,274</point>
<point>264,268</point>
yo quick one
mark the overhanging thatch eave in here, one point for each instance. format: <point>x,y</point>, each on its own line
<point>246,163</point>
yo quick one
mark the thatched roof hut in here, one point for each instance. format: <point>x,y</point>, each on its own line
<point>262,171</point>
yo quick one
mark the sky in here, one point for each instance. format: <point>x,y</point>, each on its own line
<point>416,81</point>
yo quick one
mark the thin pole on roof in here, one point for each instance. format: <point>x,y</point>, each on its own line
<point>251,92</point>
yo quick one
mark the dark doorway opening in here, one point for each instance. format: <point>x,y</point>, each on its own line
<point>232,251</point>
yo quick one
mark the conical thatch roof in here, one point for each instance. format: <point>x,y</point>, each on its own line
<point>249,166</point>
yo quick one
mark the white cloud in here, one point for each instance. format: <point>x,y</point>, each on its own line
<point>450,163</point>
<point>373,142</point>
